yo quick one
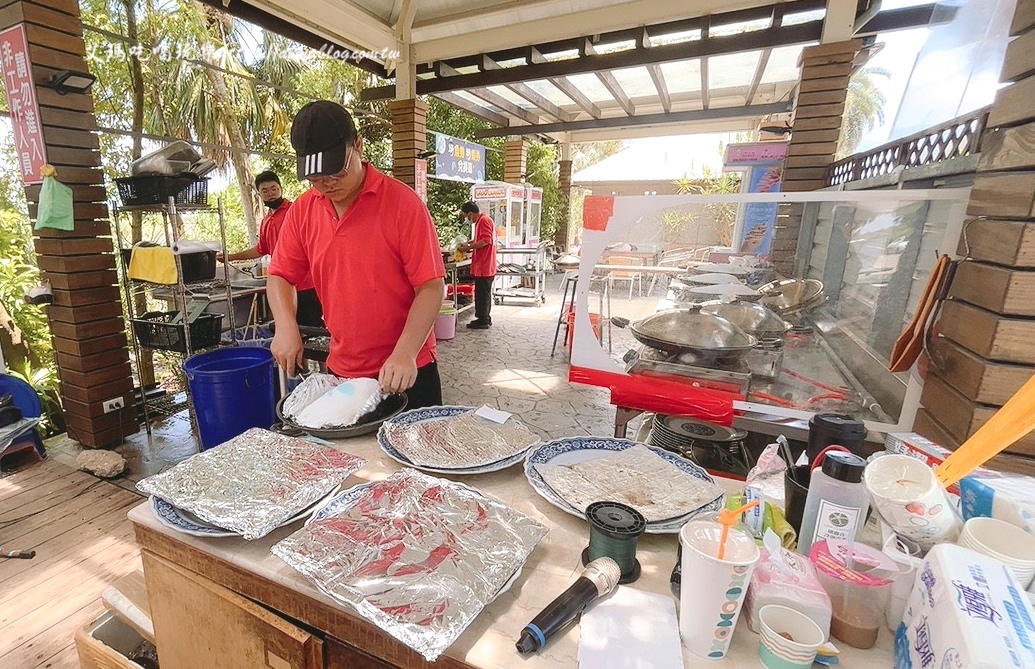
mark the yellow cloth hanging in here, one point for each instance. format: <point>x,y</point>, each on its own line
<point>153,263</point>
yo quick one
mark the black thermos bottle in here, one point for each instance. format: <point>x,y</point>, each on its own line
<point>827,429</point>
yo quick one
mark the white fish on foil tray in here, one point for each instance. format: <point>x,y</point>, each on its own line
<point>342,405</point>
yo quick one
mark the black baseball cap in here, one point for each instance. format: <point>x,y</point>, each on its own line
<point>319,133</point>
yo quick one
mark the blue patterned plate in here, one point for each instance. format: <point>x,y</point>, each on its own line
<point>581,449</point>
<point>347,498</point>
<point>187,523</point>
<point>431,414</point>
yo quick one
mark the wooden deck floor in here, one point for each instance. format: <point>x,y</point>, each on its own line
<point>77,525</point>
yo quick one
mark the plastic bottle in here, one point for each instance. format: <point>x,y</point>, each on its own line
<point>837,502</point>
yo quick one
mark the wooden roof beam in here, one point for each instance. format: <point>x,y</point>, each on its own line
<point>722,113</point>
<point>772,37</point>
<point>530,94</point>
<point>610,83</point>
<point>756,79</point>
<point>658,77</point>
<point>535,57</point>
<point>474,109</point>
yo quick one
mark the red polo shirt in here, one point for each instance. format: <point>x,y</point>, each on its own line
<point>269,232</point>
<point>269,229</point>
<point>483,260</point>
<point>365,265</point>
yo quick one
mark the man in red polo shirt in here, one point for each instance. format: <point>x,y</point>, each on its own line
<point>370,246</point>
<point>268,185</point>
<point>483,264</point>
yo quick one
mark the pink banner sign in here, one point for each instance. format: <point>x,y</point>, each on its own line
<point>755,153</point>
<point>21,101</point>
<point>420,179</point>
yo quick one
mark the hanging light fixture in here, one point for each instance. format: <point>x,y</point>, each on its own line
<point>68,81</point>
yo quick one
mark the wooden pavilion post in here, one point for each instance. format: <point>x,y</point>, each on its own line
<point>988,325</point>
<point>822,90</point>
<point>86,321</point>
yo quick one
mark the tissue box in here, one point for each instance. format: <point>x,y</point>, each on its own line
<point>1008,497</point>
<point>966,611</point>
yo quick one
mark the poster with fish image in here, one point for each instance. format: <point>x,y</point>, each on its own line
<point>760,217</point>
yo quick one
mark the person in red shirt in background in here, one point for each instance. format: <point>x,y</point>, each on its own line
<point>268,184</point>
<point>370,246</point>
<point>483,264</point>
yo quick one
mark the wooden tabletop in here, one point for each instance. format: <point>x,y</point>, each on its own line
<point>248,568</point>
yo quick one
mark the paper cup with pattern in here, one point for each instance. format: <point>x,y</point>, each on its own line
<point>912,502</point>
<point>789,639</point>
<point>711,592</point>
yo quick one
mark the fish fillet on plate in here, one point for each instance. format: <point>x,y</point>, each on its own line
<point>635,476</point>
<point>464,440</point>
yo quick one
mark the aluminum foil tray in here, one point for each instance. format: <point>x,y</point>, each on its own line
<point>254,482</point>
<point>418,556</point>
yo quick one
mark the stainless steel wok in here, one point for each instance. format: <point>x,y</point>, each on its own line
<point>792,296</point>
<point>755,319</point>
<point>708,337</point>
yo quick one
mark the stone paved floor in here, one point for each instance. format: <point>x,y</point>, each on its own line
<point>508,367</point>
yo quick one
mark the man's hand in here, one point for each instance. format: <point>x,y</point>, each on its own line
<point>398,373</point>
<point>287,348</point>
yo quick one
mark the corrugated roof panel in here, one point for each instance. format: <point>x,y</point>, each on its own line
<point>636,82</point>
<point>732,70</point>
<point>783,64</point>
<point>683,76</point>
<point>591,87</point>
<point>550,92</point>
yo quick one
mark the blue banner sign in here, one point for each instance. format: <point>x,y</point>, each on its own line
<point>458,160</point>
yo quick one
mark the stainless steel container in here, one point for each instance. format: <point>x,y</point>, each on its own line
<point>765,360</point>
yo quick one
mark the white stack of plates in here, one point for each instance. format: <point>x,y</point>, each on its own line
<point>1003,541</point>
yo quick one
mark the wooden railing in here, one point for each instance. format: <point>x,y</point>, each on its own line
<point>952,139</point>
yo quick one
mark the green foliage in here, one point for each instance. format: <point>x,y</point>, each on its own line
<point>18,273</point>
<point>446,197</point>
<point>864,108</point>
<point>722,217</point>
<point>541,168</point>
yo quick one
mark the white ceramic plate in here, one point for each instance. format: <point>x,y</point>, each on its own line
<point>432,414</point>
<point>573,450</point>
<point>187,523</point>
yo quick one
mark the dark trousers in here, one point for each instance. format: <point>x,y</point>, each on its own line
<point>310,312</point>
<point>483,298</point>
<point>427,389</point>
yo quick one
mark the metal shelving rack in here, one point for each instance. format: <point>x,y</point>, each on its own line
<point>170,214</point>
<point>534,266</point>
<point>452,272</point>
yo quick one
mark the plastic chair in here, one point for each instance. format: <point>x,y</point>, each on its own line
<point>26,399</point>
<point>622,275</point>
<point>678,258</point>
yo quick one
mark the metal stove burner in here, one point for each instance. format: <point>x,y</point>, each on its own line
<point>652,362</point>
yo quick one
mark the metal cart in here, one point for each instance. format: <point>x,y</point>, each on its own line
<point>521,274</point>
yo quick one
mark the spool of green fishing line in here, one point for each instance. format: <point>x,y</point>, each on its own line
<point>614,530</point>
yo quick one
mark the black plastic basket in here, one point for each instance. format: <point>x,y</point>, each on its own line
<point>155,330</point>
<point>188,191</point>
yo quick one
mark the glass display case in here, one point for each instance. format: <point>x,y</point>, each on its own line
<point>781,347</point>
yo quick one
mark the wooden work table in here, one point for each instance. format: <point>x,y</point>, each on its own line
<point>233,598</point>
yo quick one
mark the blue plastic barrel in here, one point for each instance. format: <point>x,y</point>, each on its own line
<point>232,390</point>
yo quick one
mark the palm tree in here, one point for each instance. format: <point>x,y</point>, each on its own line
<point>221,102</point>
<point>864,108</point>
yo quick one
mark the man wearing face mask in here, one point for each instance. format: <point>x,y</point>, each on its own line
<point>268,185</point>
<point>370,246</point>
